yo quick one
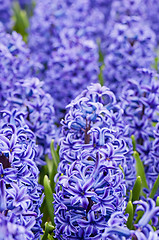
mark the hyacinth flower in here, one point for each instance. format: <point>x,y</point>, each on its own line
<point>139,100</point>
<point>127,8</point>
<point>152,16</point>
<point>87,19</point>
<point>143,229</point>
<point>71,65</point>
<point>117,228</point>
<point>95,107</point>
<point>89,193</point>
<point>45,24</point>
<point>103,6</point>
<point>77,18</point>
<point>91,185</point>
<point>19,189</point>
<point>129,47</point>
<point>5,13</point>
<point>28,96</point>
<point>15,62</point>
<point>152,159</point>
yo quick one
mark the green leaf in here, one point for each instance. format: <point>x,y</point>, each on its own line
<point>157,202</point>
<point>101,55</point>
<point>133,142</point>
<point>155,187</point>
<point>130,211</point>
<point>49,198</point>
<point>135,196</point>
<point>100,75</point>
<point>21,22</point>
<point>55,162</point>
<point>48,229</point>
<point>54,154</point>
<point>121,168</point>
<point>44,210</point>
<point>156,64</point>
<point>50,237</point>
<point>50,164</point>
<point>130,196</point>
<point>140,170</point>
<point>136,190</point>
<point>43,172</point>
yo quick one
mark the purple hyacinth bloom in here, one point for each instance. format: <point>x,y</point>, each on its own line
<point>72,66</point>
<point>151,159</point>
<point>147,232</point>
<point>20,191</point>
<point>55,16</point>
<point>129,47</point>
<point>18,88</point>
<point>150,211</point>
<point>152,15</point>
<point>5,13</point>
<point>15,62</point>
<point>9,229</point>
<point>66,38</point>
<point>139,100</point>
<point>143,229</point>
<point>127,8</point>
<point>47,20</point>
<point>86,20</point>
<point>96,107</point>
<point>103,6</point>
<point>28,96</point>
<point>90,184</point>
<point>116,228</point>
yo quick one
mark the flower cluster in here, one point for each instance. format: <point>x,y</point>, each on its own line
<point>140,100</point>
<point>152,15</point>
<point>101,182</point>
<point>28,96</point>
<point>15,62</point>
<point>127,8</point>
<point>117,229</point>
<point>94,20</point>
<point>71,67</point>
<point>19,189</point>
<point>5,13</point>
<point>151,158</point>
<point>67,47</point>
<point>19,89</point>
<point>48,19</point>
<point>93,150</point>
<point>130,47</point>
<point>103,6</point>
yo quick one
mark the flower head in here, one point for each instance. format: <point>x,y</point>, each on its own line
<point>19,188</point>
<point>90,184</point>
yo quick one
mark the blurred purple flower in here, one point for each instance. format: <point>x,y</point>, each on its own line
<point>5,13</point>
<point>130,46</point>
